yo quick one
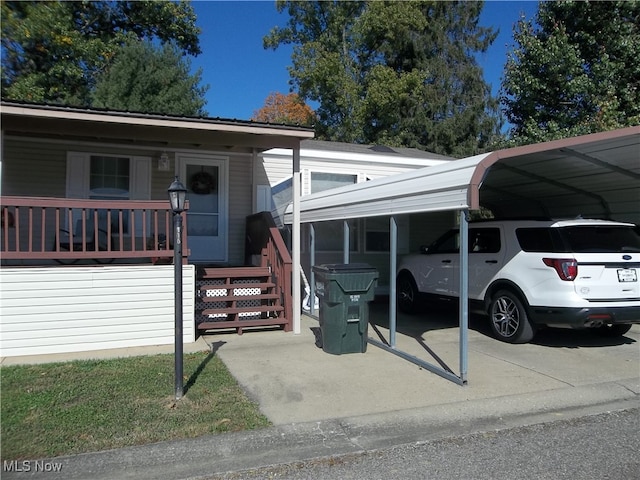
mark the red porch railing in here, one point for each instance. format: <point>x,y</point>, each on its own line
<point>264,239</point>
<point>68,230</point>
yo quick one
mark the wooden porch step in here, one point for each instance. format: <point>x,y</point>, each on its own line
<point>239,325</point>
<point>232,286</point>
<point>248,309</point>
<point>238,298</point>
<point>249,299</point>
<point>233,272</point>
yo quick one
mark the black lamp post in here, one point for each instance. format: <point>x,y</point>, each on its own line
<point>177,197</point>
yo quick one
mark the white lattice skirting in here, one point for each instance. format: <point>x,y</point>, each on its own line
<point>223,292</point>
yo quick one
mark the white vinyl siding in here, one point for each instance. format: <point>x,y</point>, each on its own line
<point>273,169</point>
<point>59,310</point>
<point>33,168</point>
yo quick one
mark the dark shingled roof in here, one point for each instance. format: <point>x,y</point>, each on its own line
<point>381,150</point>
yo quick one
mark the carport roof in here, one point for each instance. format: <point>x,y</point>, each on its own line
<point>594,175</point>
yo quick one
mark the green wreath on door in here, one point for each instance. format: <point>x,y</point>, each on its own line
<point>202,183</point>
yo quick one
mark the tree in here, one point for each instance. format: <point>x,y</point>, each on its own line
<point>143,78</point>
<point>398,73</point>
<point>287,109</point>
<point>54,51</point>
<point>576,72</point>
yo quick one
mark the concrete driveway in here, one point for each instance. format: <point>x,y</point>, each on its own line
<point>294,380</point>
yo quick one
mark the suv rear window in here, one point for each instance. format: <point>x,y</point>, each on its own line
<point>594,239</point>
<point>580,239</point>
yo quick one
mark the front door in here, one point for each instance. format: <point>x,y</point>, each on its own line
<point>205,178</point>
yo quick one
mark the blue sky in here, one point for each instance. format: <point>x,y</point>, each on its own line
<point>241,73</point>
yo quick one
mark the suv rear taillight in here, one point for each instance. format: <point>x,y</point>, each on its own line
<point>566,268</point>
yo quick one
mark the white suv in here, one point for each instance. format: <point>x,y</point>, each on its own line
<point>530,273</point>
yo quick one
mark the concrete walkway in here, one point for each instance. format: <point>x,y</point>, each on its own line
<point>322,404</point>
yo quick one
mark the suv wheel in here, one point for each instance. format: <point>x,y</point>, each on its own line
<point>407,293</point>
<point>613,330</point>
<point>509,320</point>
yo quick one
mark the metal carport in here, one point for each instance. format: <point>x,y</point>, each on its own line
<point>594,175</point>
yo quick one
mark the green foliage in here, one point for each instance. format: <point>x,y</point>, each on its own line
<point>142,78</point>
<point>84,406</point>
<point>576,72</point>
<point>53,52</point>
<point>398,73</point>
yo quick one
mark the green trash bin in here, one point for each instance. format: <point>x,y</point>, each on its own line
<point>344,292</point>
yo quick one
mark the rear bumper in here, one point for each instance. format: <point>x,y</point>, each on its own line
<point>584,317</point>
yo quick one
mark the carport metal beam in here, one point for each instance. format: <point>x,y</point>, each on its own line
<point>600,163</point>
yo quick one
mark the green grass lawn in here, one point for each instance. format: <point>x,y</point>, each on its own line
<point>84,406</point>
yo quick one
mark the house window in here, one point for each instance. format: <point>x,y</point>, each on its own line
<point>321,181</point>
<point>109,178</point>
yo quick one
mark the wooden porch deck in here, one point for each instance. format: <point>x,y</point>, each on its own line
<point>36,232</point>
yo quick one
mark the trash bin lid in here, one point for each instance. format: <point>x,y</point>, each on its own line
<point>345,268</point>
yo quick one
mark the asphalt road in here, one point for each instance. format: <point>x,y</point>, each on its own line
<point>603,446</point>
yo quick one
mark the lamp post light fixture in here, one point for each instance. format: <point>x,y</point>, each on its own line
<point>177,197</point>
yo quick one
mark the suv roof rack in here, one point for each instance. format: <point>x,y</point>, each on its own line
<point>500,219</point>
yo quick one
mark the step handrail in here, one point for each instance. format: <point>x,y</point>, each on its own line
<point>264,239</point>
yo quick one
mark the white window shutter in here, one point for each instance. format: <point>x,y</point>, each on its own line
<point>140,182</point>
<point>77,175</point>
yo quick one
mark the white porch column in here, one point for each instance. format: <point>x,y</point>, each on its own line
<point>295,241</point>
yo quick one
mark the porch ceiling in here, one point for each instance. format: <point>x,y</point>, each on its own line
<point>160,130</point>
<point>593,175</point>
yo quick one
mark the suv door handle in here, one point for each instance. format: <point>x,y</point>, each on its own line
<point>491,261</point>
<point>446,261</point>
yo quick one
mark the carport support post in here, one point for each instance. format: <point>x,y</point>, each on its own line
<point>295,242</point>
<point>345,242</point>
<point>464,292</point>
<point>393,249</point>
<point>312,258</point>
